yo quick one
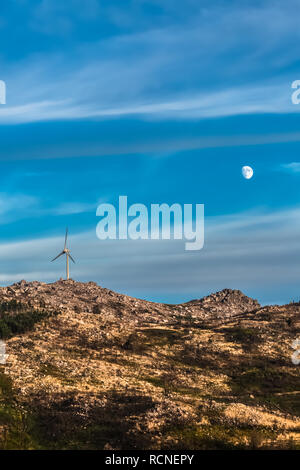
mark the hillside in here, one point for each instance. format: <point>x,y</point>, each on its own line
<point>92,369</point>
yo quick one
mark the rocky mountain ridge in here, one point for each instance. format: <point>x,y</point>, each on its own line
<point>69,295</point>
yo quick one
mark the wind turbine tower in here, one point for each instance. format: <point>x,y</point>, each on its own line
<point>66,252</point>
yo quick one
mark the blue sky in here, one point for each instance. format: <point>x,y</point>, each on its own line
<point>162,101</point>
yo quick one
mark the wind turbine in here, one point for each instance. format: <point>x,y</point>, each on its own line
<point>66,252</point>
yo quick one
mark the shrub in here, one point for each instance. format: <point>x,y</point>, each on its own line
<point>248,337</point>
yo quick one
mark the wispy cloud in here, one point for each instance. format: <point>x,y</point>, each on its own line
<point>158,144</point>
<point>21,206</point>
<point>293,167</point>
<point>52,17</point>
<point>173,71</point>
<point>16,206</point>
<point>16,202</point>
<point>228,102</point>
<point>74,208</point>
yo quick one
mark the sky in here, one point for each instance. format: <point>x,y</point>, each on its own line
<point>162,101</point>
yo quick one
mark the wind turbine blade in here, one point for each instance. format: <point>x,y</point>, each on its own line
<point>71,258</point>
<point>57,256</point>
<point>66,236</point>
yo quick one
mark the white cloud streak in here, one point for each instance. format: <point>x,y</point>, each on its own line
<point>21,206</point>
<point>293,167</point>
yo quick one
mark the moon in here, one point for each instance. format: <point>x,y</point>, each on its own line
<point>247,172</point>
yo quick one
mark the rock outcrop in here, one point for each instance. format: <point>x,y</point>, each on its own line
<point>226,303</point>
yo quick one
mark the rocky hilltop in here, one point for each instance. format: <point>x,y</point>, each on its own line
<point>71,296</point>
<point>225,303</point>
<point>89,368</point>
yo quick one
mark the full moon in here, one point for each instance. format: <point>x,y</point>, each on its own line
<point>247,172</point>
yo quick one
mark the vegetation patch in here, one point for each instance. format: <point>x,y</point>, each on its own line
<point>264,380</point>
<point>66,424</point>
<point>162,337</point>
<point>249,338</point>
<point>216,437</point>
<point>14,419</point>
<point>16,318</point>
<point>287,402</point>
